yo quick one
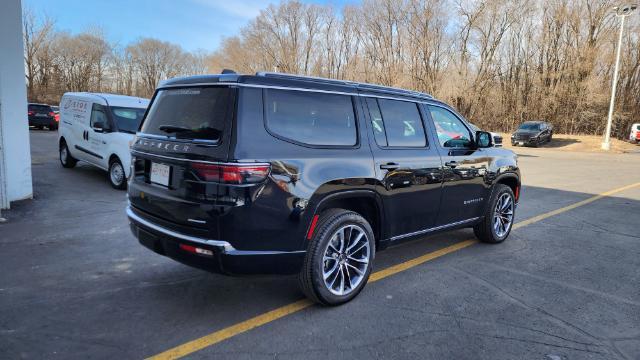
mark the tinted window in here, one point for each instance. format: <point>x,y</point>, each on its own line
<point>99,115</point>
<point>127,119</point>
<point>311,118</point>
<point>402,123</point>
<point>532,127</point>
<point>376,122</point>
<point>189,113</point>
<point>40,108</point>
<point>451,131</point>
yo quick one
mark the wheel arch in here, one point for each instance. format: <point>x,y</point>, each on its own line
<point>512,181</point>
<point>364,202</point>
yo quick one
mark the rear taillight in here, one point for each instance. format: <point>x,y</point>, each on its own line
<point>231,173</point>
<point>30,113</point>
<point>51,113</point>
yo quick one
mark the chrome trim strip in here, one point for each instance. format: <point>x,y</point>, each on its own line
<point>169,138</point>
<point>134,152</point>
<point>440,227</point>
<point>415,98</point>
<point>227,247</point>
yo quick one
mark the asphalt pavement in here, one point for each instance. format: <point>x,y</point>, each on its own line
<point>74,283</point>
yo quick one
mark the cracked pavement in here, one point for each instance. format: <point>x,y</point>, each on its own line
<point>75,283</point>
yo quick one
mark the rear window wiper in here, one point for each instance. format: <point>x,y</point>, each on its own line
<point>173,129</point>
<point>201,132</point>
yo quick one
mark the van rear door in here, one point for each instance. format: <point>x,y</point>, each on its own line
<point>185,134</point>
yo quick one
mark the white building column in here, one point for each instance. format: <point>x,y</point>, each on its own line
<point>15,155</point>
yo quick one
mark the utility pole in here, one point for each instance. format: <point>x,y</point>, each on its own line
<point>622,12</point>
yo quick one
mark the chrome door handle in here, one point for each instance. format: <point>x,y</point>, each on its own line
<point>389,166</point>
<point>451,164</point>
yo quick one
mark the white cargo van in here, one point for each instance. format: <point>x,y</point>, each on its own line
<point>98,129</point>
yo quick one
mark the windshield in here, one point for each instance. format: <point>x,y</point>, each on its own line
<point>189,113</point>
<point>127,119</point>
<point>534,127</point>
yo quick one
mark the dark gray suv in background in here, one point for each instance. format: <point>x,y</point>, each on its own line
<point>276,173</point>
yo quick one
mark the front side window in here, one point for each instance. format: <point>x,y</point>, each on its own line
<point>402,123</point>
<point>99,116</point>
<point>452,133</point>
<point>127,119</point>
<point>311,118</point>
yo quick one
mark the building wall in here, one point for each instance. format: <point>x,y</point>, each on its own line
<point>15,156</point>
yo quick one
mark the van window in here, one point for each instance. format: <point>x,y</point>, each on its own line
<point>190,113</point>
<point>99,115</point>
<point>451,131</point>
<point>310,117</point>
<point>127,119</point>
<point>402,122</point>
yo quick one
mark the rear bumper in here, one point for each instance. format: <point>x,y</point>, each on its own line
<point>42,121</point>
<point>225,258</point>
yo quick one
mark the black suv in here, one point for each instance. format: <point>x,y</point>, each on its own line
<point>275,173</point>
<point>41,115</point>
<point>532,133</point>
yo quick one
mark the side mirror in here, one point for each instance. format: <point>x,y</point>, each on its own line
<point>98,126</point>
<point>483,139</point>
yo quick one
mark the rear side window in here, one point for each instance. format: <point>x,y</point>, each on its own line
<point>311,118</point>
<point>190,113</point>
<point>396,123</point>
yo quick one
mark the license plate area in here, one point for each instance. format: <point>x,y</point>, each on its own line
<point>160,174</point>
<point>520,142</point>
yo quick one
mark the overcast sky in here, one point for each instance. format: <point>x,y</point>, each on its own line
<point>193,24</point>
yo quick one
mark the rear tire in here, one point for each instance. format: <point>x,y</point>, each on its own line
<point>339,258</point>
<point>66,160</point>
<point>117,177</point>
<point>496,225</point>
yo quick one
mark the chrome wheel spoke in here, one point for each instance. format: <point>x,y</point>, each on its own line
<point>361,261</point>
<point>360,272</point>
<point>341,281</point>
<point>355,242</point>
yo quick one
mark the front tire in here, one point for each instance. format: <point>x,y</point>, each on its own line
<point>117,177</point>
<point>66,159</point>
<point>339,259</point>
<point>498,219</point>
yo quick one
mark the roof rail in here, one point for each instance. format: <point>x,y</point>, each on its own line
<point>358,85</point>
<point>303,77</point>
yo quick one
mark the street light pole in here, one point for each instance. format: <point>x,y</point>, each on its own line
<point>622,12</point>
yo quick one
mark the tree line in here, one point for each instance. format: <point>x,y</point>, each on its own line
<point>499,62</point>
<point>57,62</point>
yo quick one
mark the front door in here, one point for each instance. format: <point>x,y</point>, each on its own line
<point>99,127</point>
<point>407,166</point>
<point>464,192</point>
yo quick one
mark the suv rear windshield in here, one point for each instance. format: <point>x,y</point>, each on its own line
<point>189,113</point>
<point>40,108</point>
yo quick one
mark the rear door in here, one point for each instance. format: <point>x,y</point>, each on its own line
<point>185,133</point>
<point>464,191</point>
<point>406,164</point>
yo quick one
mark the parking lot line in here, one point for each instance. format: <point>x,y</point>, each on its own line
<point>244,326</point>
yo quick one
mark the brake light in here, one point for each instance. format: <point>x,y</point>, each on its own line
<point>51,113</point>
<point>231,173</point>
<point>30,113</point>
